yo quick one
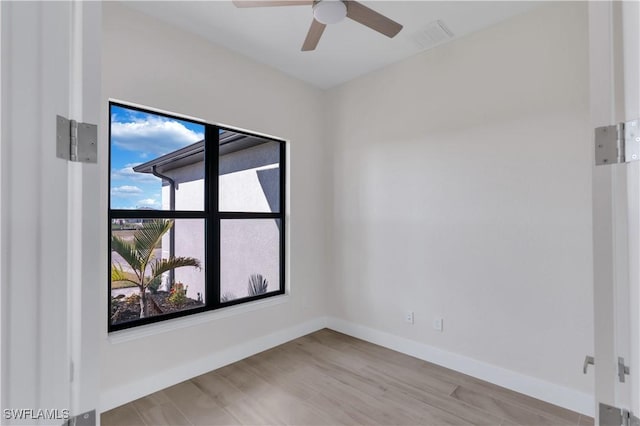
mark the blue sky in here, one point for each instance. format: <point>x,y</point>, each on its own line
<point>138,137</point>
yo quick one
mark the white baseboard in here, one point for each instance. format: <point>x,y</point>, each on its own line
<point>131,391</point>
<point>546,391</point>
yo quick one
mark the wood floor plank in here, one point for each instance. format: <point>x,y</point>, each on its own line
<point>328,338</point>
<point>165,414</point>
<point>292,411</point>
<point>284,403</point>
<point>217,388</point>
<point>150,401</point>
<point>198,407</point>
<point>407,391</point>
<point>373,394</point>
<point>360,362</point>
<point>250,412</point>
<point>288,357</point>
<point>356,404</point>
<point>328,356</point>
<point>561,415</point>
<point>502,408</point>
<point>283,379</point>
<point>126,415</point>
<point>446,375</point>
<point>586,421</point>
<point>416,399</point>
<point>328,378</point>
<point>245,380</point>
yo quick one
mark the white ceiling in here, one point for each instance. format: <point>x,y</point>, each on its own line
<point>274,35</point>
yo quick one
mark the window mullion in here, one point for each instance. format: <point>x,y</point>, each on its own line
<point>212,254</point>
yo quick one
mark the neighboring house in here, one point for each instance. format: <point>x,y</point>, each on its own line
<point>249,182</point>
<point>135,222</point>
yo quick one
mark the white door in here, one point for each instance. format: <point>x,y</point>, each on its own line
<point>50,65</point>
<point>615,97</point>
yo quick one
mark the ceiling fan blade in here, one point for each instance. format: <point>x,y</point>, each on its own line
<point>313,36</point>
<point>270,3</point>
<point>372,19</point>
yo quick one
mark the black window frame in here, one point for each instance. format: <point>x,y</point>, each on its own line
<point>211,215</point>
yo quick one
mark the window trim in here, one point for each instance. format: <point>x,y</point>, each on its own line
<point>211,215</point>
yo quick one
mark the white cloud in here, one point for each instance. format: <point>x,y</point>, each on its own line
<point>148,202</point>
<point>152,135</point>
<point>127,173</point>
<point>126,191</point>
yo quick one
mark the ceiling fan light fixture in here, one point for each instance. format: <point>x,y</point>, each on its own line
<point>329,11</point>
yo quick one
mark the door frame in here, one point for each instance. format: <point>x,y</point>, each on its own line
<point>49,351</point>
<point>614,47</point>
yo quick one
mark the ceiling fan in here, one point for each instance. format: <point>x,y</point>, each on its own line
<point>330,12</point>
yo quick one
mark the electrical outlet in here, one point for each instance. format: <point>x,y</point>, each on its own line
<point>438,324</point>
<point>408,317</point>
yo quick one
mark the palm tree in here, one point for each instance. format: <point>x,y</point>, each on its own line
<point>139,254</point>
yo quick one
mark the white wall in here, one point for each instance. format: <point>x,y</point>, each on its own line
<point>462,189</point>
<point>153,64</point>
<point>455,184</point>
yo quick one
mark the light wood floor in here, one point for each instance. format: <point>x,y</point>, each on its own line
<point>328,378</point>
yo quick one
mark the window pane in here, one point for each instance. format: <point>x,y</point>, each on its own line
<point>249,173</point>
<point>166,290</point>
<point>155,158</point>
<point>249,257</point>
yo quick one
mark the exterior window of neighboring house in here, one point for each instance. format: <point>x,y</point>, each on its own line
<point>196,216</point>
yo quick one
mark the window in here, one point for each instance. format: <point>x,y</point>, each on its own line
<point>196,216</point>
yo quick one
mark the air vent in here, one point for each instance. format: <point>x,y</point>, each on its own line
<point>434,33</point>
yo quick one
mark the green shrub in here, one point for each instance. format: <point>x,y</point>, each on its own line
<point>178,294</point>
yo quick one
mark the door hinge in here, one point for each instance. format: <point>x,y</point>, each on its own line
<point>614,416</point>
<point>588,360</point>
<point>84,419</point>
<point>76,141</point>
<point>622,369</point>
<point>618,143</point>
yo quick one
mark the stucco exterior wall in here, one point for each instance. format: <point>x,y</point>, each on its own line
<point>248,182</point>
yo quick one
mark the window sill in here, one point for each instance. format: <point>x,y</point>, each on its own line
<point>196,319</point>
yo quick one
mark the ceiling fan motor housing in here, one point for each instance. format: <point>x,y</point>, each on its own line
<point>329,11</point>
